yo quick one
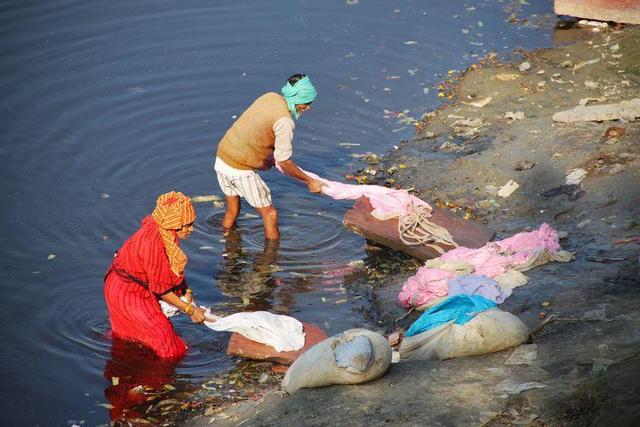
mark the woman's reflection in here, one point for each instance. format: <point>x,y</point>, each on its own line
<point>135,374</point>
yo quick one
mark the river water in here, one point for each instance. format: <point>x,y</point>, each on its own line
<point>106,104</point>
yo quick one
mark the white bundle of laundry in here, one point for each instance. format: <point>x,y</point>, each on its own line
<point>284,333</point>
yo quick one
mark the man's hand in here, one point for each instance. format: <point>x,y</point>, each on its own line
<point>315,186</point>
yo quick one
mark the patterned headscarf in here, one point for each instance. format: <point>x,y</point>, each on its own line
<point>301,92</point>
<point>173,211</point>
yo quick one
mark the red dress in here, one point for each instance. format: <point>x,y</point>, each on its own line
<point>139,274</point>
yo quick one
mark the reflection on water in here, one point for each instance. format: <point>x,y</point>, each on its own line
<point>249,278</point>
<point>135,376</point>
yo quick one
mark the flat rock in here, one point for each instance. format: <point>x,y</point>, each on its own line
<point>627,110</point>
<point>603,10</point>
<point>249,349</point>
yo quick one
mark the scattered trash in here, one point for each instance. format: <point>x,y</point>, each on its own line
<point>394,338</point>
<point>584,63</point>
<point>506,77</point>
<point>518,115</point>
<point>525,354</point>
<point>264,377</point>
<point>51,256</point>
<point>606,260</point>
<point>573,191</point>
<point>510,386</point>
<point>480,103</point>
<point>410,42</point>
<point>525,66</point>
<point>348,144</point>
<point>597,24</point>
<point>508,189</point>
<point>585,101</point>
<point>575,177</point>
<point>523,165</point>
<point>589,84</point>
<point>105,195</point>
<point>628,241</point>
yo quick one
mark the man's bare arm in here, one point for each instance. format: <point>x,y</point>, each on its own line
<point>291,169</point>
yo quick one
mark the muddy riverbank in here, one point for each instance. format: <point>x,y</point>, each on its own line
<point>461,157</point>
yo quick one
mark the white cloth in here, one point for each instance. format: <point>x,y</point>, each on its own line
<point>170,310</point>
<point>283,333</point>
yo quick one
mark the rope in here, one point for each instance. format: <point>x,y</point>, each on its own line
<point>414,228</point>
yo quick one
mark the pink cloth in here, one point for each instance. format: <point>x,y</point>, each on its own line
<point>425,286</point>
<point>496,258</point>
<point>387,203</point>
<point>491,260</point>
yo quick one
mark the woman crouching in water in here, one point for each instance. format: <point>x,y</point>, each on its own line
<point>150,267</point>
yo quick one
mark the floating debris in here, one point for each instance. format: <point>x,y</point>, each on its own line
<point>205,198</point>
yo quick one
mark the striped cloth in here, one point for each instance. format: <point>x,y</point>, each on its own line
<point>173,211</point>
<point>243,183</point>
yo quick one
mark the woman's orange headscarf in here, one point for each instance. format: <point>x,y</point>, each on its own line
<point>173,211</point>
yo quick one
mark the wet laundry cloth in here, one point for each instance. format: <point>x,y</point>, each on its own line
<point>476,284</point>
<point>521,251</point>
<point>387,203</point>
<point>414,226</point>
<point>458,309</point>
<point>500,260</point>
<point>283,333</point>
<point>425,286</point>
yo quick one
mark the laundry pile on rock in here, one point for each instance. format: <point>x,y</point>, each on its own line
<point>492,271</point>
<point>461,289</point>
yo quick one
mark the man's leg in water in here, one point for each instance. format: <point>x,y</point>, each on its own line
<point>269,216</point>
<point>232,212</point>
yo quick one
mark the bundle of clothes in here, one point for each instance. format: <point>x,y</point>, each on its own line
<point>460,292</point>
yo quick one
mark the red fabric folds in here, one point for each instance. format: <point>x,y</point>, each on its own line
<point>134,311</point>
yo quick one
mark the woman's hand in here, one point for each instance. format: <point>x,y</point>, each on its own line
<point>197,315</point>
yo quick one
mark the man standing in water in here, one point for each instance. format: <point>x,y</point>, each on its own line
<point>262,136</point>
